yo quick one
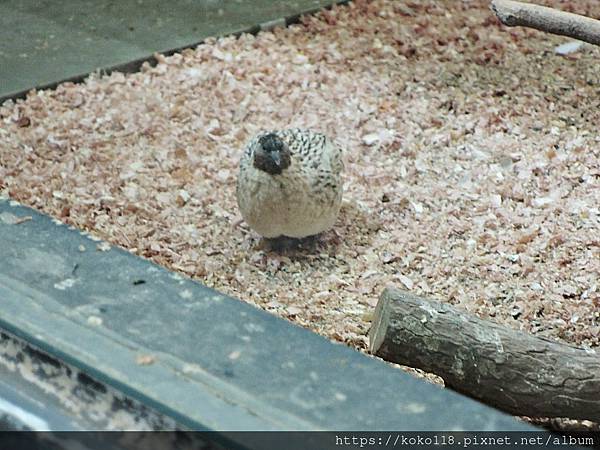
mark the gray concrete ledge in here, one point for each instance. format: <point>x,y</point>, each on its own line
<point>45,43</point>
<point>205,360</point>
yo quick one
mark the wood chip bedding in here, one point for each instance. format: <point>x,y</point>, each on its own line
<point>472,164</point>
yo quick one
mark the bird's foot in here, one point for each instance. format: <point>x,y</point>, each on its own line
<point>334,238</point>
<point>309,243</point>
<point>284,244</point>
<point>279,244</point>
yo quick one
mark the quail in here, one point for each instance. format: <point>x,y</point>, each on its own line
<point>290,183</point>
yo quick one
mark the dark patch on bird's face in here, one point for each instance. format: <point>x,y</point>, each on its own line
<point>272,154</point>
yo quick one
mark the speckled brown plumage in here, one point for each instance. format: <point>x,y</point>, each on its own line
<point>290,183</point>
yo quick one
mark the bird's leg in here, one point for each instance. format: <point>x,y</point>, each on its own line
<point>284,244</point>
<point>310,242</point>
<point>328,240</point>
<point>279,244</point>
<point>335,239</point>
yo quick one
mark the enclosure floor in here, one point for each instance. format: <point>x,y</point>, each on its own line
<point>472,164</point>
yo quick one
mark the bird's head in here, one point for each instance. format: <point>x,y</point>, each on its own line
<point>271,154</point>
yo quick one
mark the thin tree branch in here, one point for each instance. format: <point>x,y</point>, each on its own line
<point>512,13</point>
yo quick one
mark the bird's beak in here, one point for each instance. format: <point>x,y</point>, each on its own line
<point>276,157</point>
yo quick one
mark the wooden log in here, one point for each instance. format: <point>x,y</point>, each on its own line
<point>510,370</point>
<point>512,13</point>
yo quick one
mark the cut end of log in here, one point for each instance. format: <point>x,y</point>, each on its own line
<point>503,14</point>
<point>380,320</point>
